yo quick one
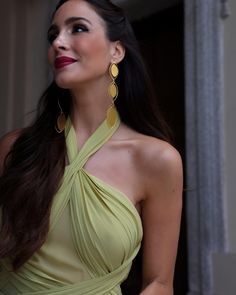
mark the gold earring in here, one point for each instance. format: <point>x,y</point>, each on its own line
<point>61,120</point>
<point>113,92</point>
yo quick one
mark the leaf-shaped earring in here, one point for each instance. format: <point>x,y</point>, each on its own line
<point>113,92</point>
<point>61,120</point>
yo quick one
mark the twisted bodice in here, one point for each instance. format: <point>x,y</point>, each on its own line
<point>95,232</point>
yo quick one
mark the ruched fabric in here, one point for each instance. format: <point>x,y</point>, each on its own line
<point>105,227</point>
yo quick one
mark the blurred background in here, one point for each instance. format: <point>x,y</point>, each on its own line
<point>190,50</point>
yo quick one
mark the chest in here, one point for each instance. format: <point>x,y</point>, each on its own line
<point>117,166</point>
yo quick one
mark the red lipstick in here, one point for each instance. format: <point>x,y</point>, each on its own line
<point>63,61</point>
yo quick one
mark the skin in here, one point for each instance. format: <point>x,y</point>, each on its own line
<point>147,170</point>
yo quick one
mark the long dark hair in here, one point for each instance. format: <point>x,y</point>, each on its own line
<point>35,165</point>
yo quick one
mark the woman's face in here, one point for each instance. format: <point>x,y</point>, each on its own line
<point>80,51</point>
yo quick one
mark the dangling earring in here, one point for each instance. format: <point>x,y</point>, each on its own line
<point>113,92</point>
<point>61,120</point>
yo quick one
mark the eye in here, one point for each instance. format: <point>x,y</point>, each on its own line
<point>78,28</point>
<point>52,36</point>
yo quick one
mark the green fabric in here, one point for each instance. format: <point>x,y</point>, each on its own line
<point>105,232</point>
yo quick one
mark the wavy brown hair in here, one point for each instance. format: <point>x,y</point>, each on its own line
<point>35,165</point>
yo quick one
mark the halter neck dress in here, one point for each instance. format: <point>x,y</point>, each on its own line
<point>95,233</point>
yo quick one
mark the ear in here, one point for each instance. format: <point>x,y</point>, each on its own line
<point>117,52</point>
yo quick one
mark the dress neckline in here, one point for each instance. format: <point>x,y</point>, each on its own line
<point>94,142</point>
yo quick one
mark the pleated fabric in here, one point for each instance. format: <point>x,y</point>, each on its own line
<point>99,223</point>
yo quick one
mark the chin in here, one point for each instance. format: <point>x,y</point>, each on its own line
<point>64,83</point>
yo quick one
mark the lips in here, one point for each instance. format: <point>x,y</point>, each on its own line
<point>63,61</point>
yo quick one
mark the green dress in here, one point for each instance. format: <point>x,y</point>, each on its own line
<point>95,233</point>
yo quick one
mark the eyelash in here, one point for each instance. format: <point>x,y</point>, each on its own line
<point>81,27</point>
<point>53,35</point>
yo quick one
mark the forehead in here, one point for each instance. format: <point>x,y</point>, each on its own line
<point>77,8</point>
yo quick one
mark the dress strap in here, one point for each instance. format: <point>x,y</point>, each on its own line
<point>77,160</point>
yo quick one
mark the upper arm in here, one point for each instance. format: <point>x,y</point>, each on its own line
<point>6,143</point>
<point>161,214</point>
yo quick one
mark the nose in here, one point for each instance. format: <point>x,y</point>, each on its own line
<point>60,43</point>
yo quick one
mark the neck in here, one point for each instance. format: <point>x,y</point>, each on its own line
<point>89,108</point>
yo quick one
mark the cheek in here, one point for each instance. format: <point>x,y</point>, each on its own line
<point>50,56</point>
<point>95,47</point>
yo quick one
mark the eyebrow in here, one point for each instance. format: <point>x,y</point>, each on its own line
<point>69,21</point>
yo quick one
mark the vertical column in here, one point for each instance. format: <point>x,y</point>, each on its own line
<point>204,138</point>
<point>224,263</point>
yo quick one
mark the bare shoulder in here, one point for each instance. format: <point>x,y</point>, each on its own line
<point>152,154</point>
<point>159,165</point>
<point>6,143</point>
<point>8,140</point>
<point>158,155</point>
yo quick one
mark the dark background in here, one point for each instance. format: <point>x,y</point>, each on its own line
<point>161,38</point>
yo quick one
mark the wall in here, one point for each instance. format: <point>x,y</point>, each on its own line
<point>23,70</point>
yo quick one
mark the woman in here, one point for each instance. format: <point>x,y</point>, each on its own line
<point>90,179</point>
